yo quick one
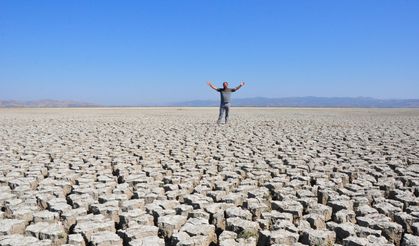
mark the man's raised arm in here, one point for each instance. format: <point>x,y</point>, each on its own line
<point>212,86</point>
<point>240,86</point>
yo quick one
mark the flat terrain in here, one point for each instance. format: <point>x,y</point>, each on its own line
<point>171,176</point>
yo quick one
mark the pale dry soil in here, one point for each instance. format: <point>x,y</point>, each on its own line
<point>172,176</point>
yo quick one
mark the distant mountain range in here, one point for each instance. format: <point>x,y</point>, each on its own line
<point>44,104</point>
<point>334,102</point>
<point>346,102</point>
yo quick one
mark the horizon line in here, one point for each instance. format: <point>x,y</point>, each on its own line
<point>307,101</point>
<point>197,100</point>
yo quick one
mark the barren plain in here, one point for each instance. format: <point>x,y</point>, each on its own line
<point>171,176</point>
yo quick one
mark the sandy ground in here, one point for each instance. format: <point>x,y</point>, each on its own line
<point>171,176</point>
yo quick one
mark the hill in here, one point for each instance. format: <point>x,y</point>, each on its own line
<point>44,104</point>
<point>356,102</point>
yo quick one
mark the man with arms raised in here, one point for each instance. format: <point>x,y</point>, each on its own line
<point>225,94</point>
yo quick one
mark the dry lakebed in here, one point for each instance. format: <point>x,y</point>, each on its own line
<point>171,176</point>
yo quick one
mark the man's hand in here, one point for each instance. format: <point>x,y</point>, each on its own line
<point>240,86</point>
<point>212,86</point>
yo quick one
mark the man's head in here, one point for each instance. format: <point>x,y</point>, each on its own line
<point>225,84</point>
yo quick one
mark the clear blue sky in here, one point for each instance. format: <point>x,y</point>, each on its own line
<point>135,52</point>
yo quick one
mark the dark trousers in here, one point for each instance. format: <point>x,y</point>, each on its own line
<point>224,110</point>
